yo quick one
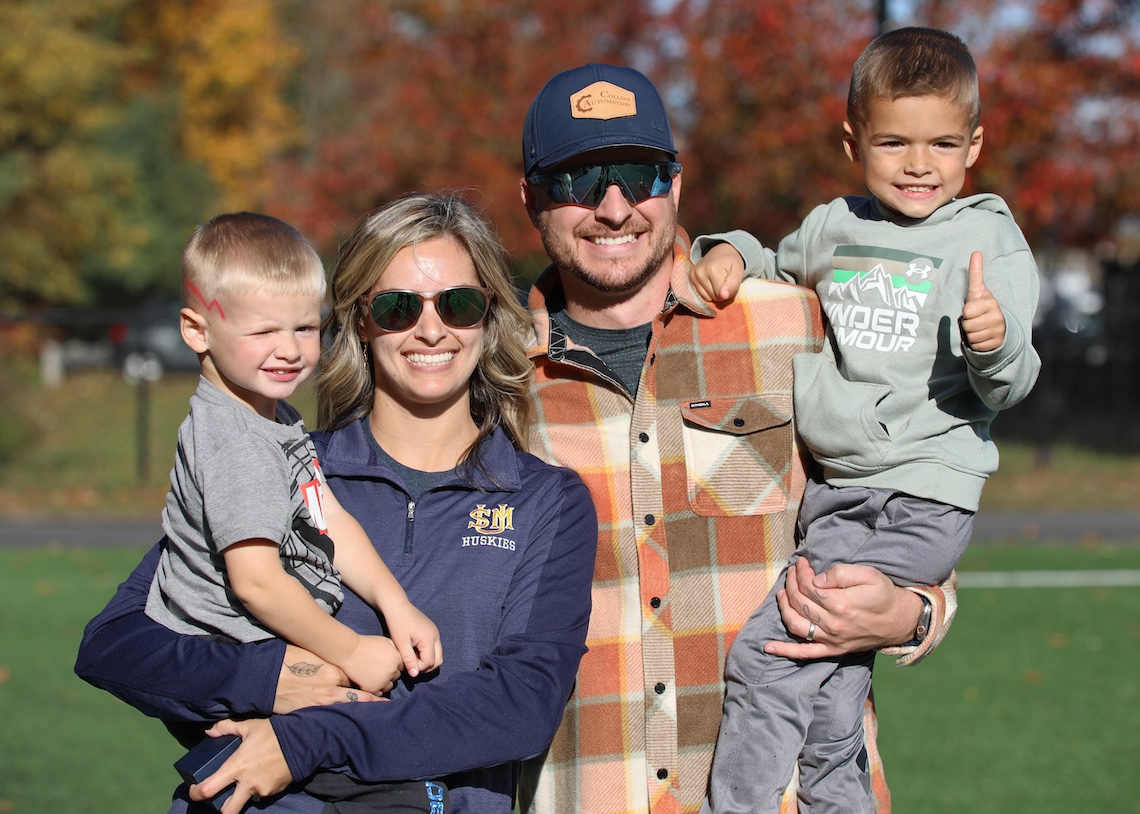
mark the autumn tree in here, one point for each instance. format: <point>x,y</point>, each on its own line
<point>1061,110</point>
<point>125,123</point>
<point>418,94</point>
<point>761,96</point>
<point>60,189</point>
<point>226,67</point>
<point>766,96</point>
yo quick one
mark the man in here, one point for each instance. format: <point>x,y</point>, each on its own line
<point>677,414</point>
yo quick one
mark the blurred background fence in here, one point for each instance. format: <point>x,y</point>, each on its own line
<point>1088,336</point>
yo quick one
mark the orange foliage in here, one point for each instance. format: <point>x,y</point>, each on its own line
<point>411,94</point>
<point>767,102</point>
<point>1061,108</point>
<point>231,63</point>
<point>432,94</point>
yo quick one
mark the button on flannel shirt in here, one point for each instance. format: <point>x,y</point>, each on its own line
<point>697,484</point>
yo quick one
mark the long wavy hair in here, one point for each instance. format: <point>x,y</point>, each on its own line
<point>500,382</point>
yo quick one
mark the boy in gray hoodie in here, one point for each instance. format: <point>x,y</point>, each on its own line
<point>929,302</point>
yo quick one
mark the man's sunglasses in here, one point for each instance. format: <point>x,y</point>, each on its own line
<point>460,307</point>
<point>586,186</point>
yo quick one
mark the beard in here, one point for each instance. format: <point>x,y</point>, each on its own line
<point>617,276</point>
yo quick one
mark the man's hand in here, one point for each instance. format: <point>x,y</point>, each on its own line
<point>718,276</point>
<point>983,323</point>
<point>306,681</point>
<point>853,608</point>
<point>257,766</point>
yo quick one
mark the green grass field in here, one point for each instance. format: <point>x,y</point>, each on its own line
<point>66,746</point>
<point>1031,704</point>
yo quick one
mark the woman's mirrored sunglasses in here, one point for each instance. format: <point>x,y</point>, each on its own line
<point>586,186</point>
<point>460,307</point>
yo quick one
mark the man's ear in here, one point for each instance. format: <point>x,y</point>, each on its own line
<point>975,147</point>
<point>194,330</point>
<point>526,192</point>
<point>676,191</point>
<point>850,143</point>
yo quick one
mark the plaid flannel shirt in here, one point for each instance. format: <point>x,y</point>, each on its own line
<point>697,484</point>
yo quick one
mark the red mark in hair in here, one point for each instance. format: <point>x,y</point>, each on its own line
<point>210,306</point>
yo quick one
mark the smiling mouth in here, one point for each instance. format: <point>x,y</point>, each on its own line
<point>916,189</point>
<point>613,241</point>
<point>428,359</point>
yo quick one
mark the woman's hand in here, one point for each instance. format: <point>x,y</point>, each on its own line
<point>846,609</point>
<point>307,681</point>
<point>257,766</point>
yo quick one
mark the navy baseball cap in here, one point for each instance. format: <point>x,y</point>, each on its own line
<point>591,107</point>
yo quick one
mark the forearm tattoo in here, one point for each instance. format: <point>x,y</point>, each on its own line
<point>303,669</point>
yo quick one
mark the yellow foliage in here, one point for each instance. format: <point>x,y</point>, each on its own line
<point>59,190</point>
<point>232,61</point>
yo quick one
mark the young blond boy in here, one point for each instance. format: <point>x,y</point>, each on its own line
<point>256,541</point>
<point>929,301</point>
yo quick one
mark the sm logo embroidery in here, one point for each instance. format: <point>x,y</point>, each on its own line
<point>492,521</point>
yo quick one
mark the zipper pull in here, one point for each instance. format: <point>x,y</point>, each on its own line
<point>411,511</point>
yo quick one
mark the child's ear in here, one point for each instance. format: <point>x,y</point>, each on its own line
<point>194,330</point>
<point>975,147</point>
<point>850,143</point>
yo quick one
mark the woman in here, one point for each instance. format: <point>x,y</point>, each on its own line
<point>423,409</point>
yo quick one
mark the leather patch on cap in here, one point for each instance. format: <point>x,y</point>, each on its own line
<point>603,100</point>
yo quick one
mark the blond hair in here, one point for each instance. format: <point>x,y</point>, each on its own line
<point>244,251</point>
<point>499,384</point>
<point>914,62</point>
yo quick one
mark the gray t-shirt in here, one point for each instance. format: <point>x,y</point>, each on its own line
<point>238,476</point>
<point>621,349</point>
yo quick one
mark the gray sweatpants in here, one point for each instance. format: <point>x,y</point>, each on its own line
<point>778,711</point>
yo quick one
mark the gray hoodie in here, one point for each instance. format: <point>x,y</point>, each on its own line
<point>897,400</point>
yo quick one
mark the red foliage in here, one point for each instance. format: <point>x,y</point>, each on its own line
<point>432,94</point>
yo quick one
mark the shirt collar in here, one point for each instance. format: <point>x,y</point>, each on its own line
<point>348,451</point>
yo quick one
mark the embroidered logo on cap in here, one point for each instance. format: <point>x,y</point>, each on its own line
<point>603,100</point>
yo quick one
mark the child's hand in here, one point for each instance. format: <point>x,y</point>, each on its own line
<point>374,665</point>
<point>983,323</point>
<point>416,637</point>
<point>718,276</point>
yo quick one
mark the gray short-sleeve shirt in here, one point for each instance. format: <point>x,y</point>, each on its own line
<point>238,476</point>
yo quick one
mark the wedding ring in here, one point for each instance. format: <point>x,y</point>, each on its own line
<point>811,632</point>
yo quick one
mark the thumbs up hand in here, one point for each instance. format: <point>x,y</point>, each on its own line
<point>983,323</point>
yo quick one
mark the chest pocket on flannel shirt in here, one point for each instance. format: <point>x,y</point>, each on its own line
<point>738,454</point>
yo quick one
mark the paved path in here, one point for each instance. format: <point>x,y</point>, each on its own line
<point>1091,527</point>
<point>1069,527</point>
<point>87,533</point>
